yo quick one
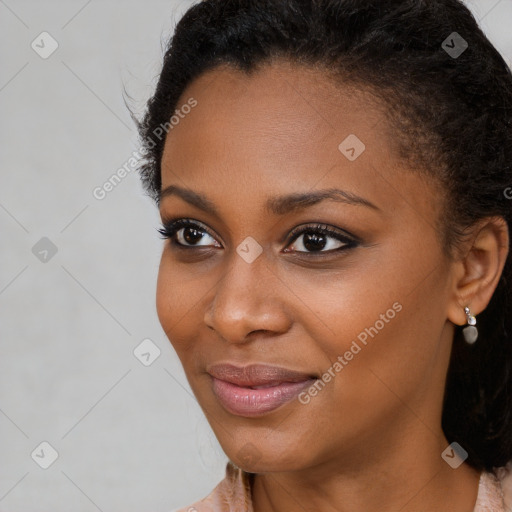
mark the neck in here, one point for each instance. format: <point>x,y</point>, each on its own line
<point>404,476</point>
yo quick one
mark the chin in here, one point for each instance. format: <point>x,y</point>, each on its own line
<point>260,455</point>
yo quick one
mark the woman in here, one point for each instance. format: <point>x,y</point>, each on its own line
<point>335,184</point>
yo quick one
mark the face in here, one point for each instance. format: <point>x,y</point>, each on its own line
<point>309,324</point>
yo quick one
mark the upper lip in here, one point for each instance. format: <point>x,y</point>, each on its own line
<point>256,374</point>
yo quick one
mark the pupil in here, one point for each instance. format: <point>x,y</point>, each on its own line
<point>313,241</point>
<point>194,238</point>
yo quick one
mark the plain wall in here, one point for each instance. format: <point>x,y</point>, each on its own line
<point>128,436</point>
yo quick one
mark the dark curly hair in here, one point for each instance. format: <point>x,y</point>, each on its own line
<point>451,115</point>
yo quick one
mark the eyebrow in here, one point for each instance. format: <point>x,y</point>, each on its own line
<point>278,205</point>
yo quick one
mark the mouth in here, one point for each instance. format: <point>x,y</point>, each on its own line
<point>256,389</point>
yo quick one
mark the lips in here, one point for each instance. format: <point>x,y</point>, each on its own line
<point>256,375</point>
<point>256,389</point>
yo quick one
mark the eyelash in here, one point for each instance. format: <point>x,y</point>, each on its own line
<point>171,227</point>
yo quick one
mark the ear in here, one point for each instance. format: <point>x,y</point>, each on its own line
<point>477,272</point>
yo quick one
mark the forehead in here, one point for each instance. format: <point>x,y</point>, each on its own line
<point>282,128</point>
<point>285,106</point>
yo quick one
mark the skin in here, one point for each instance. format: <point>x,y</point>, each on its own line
<point>371,439</point>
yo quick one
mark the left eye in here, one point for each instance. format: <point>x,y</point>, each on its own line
<point>316,239</point>
<point>187,234</point>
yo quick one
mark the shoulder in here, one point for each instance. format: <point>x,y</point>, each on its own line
<point>495,490</point>
<point>232,494</point>
<point>504,475</point>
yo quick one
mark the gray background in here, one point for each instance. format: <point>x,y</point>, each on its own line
<point>127,435</point>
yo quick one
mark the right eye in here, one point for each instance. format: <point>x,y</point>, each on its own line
<point>186,233</point>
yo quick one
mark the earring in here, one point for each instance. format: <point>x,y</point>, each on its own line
<point>470,331</point>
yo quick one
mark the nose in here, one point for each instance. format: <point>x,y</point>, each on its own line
<point>249,298</point>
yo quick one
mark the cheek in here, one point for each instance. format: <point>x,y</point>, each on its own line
<point>164,295</point>
<point>339,307</point>
<point>182,297</point>
<point>385,322</point>
<point>176,302</point>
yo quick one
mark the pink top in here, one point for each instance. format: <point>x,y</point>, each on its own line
<point>233,494</point>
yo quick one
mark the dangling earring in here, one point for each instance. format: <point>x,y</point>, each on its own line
<point>470,331</point>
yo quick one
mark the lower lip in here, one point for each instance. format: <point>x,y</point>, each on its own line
<point>255,402</point>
